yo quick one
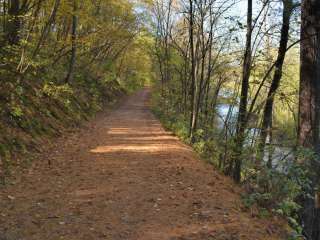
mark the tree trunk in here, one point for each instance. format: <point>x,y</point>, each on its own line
<point>266,127</point>
<point>193,74</point>
<point>73,43</point>
<point>234,168</point>
<point>46,28</point>
<point>14,22</point>
<point>308,129</point>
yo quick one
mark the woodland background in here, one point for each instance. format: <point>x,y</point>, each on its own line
<point>238,80</point>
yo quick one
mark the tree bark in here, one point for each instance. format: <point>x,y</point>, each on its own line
<point>73,43</point>
<point>266,127</point>
<point>234,168</point>
<point>309,107</point>
<point>14,22</point>
<point>46,28</point>
<point>308,132</point>
<point>193,73</point>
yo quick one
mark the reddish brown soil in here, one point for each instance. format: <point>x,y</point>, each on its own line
<point>123,177</point>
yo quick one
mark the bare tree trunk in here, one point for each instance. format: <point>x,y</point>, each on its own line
<point>4,16</point>
<point>193,73</point>
<point>73,42</point>
<point>266,127</point>
<point>203,52</point>
<point>47,26</point>
<point>14,22</point>
<point>234,168</point>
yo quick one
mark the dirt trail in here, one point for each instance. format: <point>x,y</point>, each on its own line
<point>123,177</point>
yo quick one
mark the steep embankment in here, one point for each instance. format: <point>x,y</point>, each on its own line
<point>32,114</point>
<point>123,177</point>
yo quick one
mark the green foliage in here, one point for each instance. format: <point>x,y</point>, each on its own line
<point>172,121</point>
<point>256,198</point>
<point>111,58</point>
<point>279,191</point>
<point>16,112</point>
<point>268,189</point>
<point>57,91</point>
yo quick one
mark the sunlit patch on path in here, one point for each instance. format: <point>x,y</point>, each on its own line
<point>136,148</point>
<point>126,178</point>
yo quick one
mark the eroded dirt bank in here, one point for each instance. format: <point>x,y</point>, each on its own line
<point>123,177</point>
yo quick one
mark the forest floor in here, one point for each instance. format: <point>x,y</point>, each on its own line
<point>123,177</point>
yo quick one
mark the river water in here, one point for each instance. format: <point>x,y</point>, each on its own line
<point>280,154</point>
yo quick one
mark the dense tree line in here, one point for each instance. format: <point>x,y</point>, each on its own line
<point>60,60</point>
<point>231,87</point>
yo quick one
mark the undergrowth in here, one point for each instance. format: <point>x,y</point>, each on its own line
<point>268,191</point>
<point>32,112</point>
